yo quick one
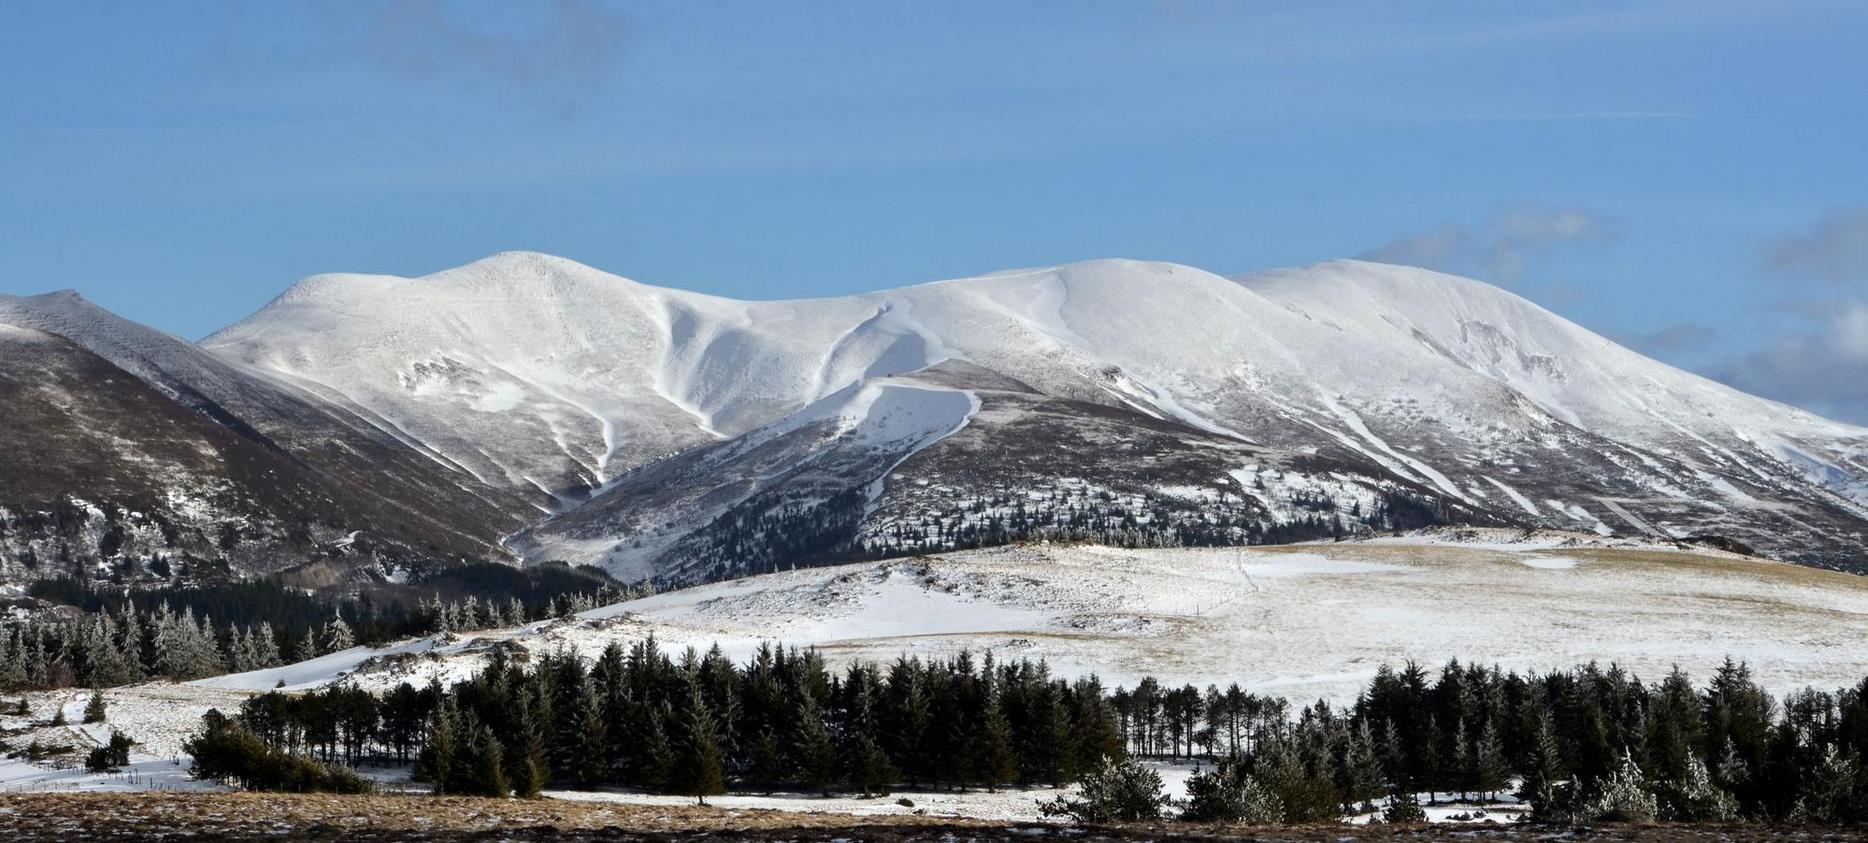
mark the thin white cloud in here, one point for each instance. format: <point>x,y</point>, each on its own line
<point>1824,368</point>
<point>1834,249</point>
<point>1497,248</point>
<point>561,49</point>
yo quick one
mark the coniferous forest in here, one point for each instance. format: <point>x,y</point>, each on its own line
<point>1588,744</point>
<point>117,642</point>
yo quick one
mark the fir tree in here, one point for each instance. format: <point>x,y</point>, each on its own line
<point>1490,771</point>
<point>815,753</point>
<point>440,735</point>
<point>94,710</point>
<point>654,758</point>
<point>265,646</point>
<point>483,772</point>
<point>529,766</point>
<point>992,744</point>
<point>337,635</point>
<point>766,766</point>
<point>699,768</point>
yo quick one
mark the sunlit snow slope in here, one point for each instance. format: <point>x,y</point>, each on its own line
<point>1133,401</point>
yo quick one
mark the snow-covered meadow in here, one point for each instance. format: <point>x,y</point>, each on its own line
<point>1302,621</point>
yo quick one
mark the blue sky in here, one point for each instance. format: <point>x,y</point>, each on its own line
<point>1686,177</point>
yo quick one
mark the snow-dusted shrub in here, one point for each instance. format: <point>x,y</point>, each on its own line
<point>1112,791</point>
<point>1624,797</point>
<point>1695,798</point>
<point>1228,794</point>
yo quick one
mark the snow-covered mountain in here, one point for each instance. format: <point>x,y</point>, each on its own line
<point>133,454</point>
<point>690,437</point>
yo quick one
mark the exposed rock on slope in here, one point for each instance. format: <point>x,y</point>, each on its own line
<point>687,437</point>
<point>132,454</point>
<point>1152,400</point>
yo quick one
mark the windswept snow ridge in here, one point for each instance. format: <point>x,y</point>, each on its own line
<point>685,437</point>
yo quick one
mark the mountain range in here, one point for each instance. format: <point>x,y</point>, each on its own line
<point>529,408</point>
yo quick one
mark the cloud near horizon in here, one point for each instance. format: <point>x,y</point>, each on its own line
<point>1822,363</point>
<point>1824,369</point>
<point>1834,250</point>
<point>1498,248</point>
<point>563,49</point>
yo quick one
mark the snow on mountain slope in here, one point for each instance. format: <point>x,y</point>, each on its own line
<point>772,484</point>
<point>541,375</point>
<point>1302,621</point>
<point>538,374</point>
<point>132,448</point>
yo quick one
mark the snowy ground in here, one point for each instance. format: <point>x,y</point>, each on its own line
<point>1302,621</point>
<point>159,716</point>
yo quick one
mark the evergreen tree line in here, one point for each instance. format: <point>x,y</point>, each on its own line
<point>692,725</point>
<point>374,612</point>
<point>107,649</point>
<point>1137,521</point>
<point>1586,744</point>
<point>121,644</point>
<point>762,535</point>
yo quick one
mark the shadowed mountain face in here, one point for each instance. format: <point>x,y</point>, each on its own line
<point>685,437</point>
<point>132,455</point>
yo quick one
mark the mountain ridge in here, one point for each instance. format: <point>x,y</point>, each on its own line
<point>1168,404</point>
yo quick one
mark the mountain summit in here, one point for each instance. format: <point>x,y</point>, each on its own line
<point>677,436</point>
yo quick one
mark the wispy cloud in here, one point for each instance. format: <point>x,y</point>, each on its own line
<point>1833,250</point>
<point>1824,368</point>
<point>1676,339</point>
<point>1496,248</point>
<point>1818,275</point>
<point>562,49</point>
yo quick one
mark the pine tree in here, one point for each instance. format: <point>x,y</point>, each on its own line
<point>265,647</point>
<point>103,657</point>
<point>590,738</point>
<point>1544,761</point>
<point>1696,799</point>
<point>1365,780</point>
<point>992,752</point>
<point>766,766</point>
<point>305,649</point>
<point>1490,771</point>
<point>815,752</point>
<point>12,666</point>
<point>1228,794</point>
<point>239,653</point>
<point>337,635</point>
<point>484,773</point>
<point>130,644</point>
<point>1113,791</point>
<point>529,766</point>
<point>700,766</point>
<point>94,710</point>
<point>1624,796</point>
<point>440,738</point>
<point>206,650</point>
<point>1459,761</point>
<point>654,758</point>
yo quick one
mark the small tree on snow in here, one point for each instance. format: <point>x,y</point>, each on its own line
<point>1695,798</point>
<point>1112,791</point>
<point>1625,796</point>
<point>1228,794</point>
<point>337,635</point>
<point>94,710</point>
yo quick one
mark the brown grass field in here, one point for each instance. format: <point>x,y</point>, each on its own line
<point>258,816</point>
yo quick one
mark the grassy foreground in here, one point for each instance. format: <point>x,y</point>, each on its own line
<point>249,816</point>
